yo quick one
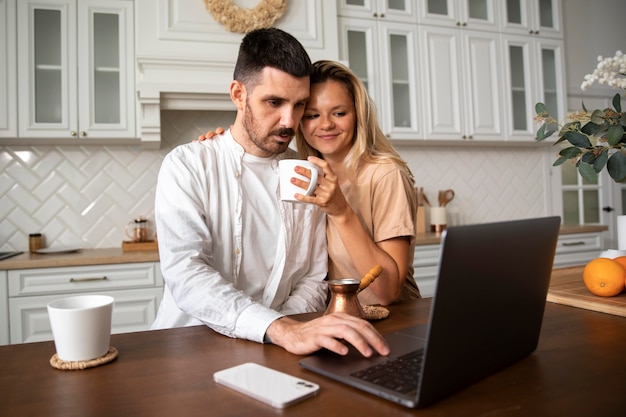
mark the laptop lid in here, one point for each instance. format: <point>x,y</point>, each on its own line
<point>486,312</point>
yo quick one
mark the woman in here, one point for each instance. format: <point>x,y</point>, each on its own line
<point>367,190</point>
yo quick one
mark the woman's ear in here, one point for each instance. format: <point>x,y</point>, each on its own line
<point>238,94</point>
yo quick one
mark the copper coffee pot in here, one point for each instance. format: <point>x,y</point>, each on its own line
<point>343,293</point>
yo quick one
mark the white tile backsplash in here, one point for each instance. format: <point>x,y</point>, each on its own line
<point>85,195</point>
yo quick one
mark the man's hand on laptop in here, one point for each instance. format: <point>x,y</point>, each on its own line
<point>302,338</point>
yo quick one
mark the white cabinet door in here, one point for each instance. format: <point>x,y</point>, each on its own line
<point>532,17</point>
<point>75,69</point>
<point>134,310</point>
<point>47,68</point>
<point>393,10</point>
<point>383,55</point>
<point>4,309</point>
<point>462,84</point>
<point>535,72</point>
<point>106,81</point>
<point>473,14</point>
<point>8,70</point>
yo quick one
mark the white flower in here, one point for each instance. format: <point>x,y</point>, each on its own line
<point>608,72</point>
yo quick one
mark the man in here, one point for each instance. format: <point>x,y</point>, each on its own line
<point>234,257</point>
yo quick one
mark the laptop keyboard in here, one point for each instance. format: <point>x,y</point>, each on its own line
<point>400,374</point>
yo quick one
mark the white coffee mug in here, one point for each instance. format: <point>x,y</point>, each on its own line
<point>286,168</point>
<point>81,326</point>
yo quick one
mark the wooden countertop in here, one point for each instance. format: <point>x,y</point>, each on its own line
<point>82,257</point>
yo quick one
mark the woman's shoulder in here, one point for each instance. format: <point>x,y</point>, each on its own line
<point>378,170</point>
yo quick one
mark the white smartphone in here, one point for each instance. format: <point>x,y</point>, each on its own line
<point>268,385</point>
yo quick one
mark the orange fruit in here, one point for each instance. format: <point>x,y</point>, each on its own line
<point>621,260</point>
<point>604,277</point>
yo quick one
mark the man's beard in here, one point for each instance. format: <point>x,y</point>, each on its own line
<point>262,141</point>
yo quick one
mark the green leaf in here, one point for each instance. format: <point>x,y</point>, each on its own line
<point>578,139</point>
<point>571,152</point>
<point>575,125</point>
<point>560,161</point>
<point>559,140</point>
<point>546,130</point>
<point>591,129</point>
<point>597,117</point>
<point>614,135</point>
<point>587,172</point>
<point>542,133</point>
<point>622,120</point>
<point>617,103</point>
<point>617,166</point>
<point>597,161</point>
<point>541,109</point>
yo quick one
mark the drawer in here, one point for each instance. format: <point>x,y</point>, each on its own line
<point>133,311</point>
<point>426,255</point>
<point>579,243</point>
<point>80,279</point>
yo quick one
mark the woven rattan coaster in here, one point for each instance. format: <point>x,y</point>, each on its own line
<point>79,365</point>
<point>375,312</point>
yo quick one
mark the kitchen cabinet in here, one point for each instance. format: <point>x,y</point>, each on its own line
<point>381,47</point>
<point>462,84</point>
<point>136,287</point>
<point>426,268</point>
<point>572,249</point>
<point>535,73</point>
<point>8,70</point>
<point>577,249</point>
<point>76,69</point>
<point>185,58</point>
<point>392,10</point>
<point>474,14</point>
<point>532,17</point>
<point>4,309</point>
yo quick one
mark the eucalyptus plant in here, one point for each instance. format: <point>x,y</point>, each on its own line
<point>597,139</point>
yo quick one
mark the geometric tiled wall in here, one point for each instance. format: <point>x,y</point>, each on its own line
<point>85,195</point>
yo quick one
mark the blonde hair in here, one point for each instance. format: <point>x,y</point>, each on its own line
<point>369,143</point>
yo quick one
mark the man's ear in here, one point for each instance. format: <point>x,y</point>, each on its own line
<point>238,94</point>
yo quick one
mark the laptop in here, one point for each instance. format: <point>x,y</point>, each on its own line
<point>485,315</point>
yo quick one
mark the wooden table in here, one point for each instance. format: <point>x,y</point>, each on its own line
<point>579,369</point>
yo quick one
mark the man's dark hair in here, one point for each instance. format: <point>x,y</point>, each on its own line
<point>273,48</point>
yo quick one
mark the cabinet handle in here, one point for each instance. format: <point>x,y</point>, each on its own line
<point>375,15</point>
<point>573,243</point>
<point>83,133</point>
<point>382,15</point>
<point>73,133</point>
<point>88,279</point>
